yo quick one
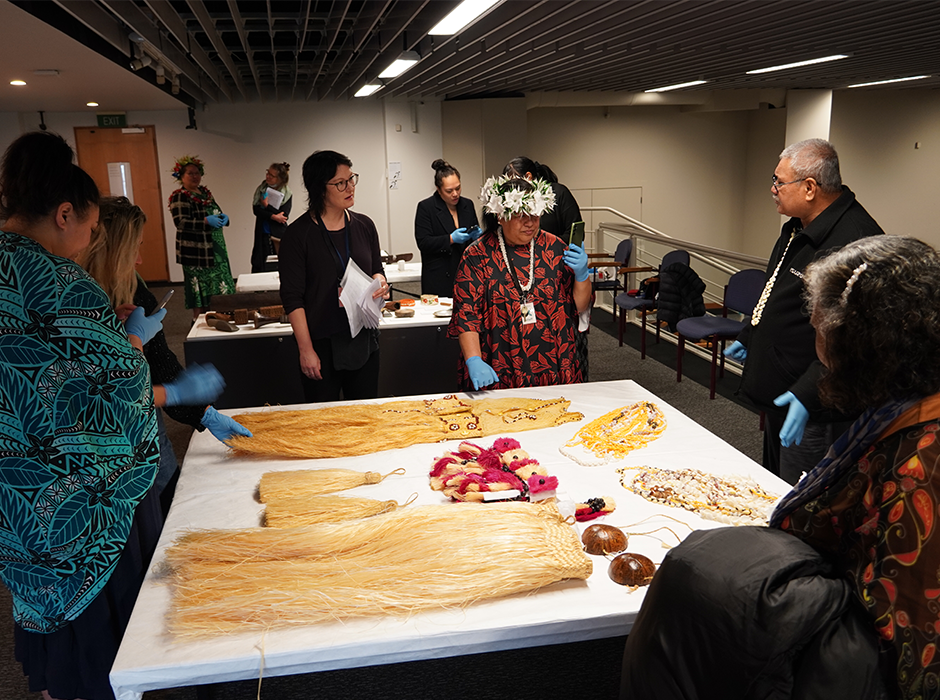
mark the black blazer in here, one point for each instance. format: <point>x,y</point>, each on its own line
<point>439,258</point>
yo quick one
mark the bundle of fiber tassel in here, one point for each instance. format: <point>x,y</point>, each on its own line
<point>342,431</point>
<point>307,496</point>
<point>398,563</point>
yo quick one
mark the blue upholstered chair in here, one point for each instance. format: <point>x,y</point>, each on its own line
<point>625,302</point>
<point>741,294</point>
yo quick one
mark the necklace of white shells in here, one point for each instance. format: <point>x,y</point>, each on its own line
<point>526,307</point>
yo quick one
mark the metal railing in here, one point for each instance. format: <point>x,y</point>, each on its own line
<point>716,260</point>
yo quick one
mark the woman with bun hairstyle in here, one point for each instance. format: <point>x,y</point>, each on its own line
<point>79,519</point>
<point>270,220</point>
<point>444,226</point>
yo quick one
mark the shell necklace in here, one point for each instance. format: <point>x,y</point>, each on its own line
<point>523,288</point>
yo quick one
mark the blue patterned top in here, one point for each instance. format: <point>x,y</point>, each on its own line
<point>78,429</point>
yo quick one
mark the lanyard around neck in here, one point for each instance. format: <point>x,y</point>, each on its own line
<point>341,269</point>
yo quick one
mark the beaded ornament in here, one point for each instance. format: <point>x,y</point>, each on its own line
<point>737,500</point>
<point>617,433</point>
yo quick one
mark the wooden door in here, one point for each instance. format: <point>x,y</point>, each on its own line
<point>96,147</point>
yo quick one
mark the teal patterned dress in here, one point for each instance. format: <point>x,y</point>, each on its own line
<point>78,448</point>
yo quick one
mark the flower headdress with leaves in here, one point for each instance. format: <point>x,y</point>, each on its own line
<point>181,164</point>
<point>503,197</point>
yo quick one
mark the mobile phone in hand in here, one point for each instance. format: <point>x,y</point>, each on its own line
<point>576,235</point>
<point>163,301</point>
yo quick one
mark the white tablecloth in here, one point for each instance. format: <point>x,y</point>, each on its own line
<point>217,490</point>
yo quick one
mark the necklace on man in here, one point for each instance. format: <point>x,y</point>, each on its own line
<point>526,307</point>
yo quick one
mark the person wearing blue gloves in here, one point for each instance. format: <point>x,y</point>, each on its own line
<point>185,394</point>
<point>445,224</point>
<point>781,370</point>
<point>200,244</point>
<point>517,294</point>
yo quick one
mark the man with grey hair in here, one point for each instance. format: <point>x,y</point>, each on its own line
<point>778,347</point>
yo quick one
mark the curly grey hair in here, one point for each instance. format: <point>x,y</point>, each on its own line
<point>882,339</point>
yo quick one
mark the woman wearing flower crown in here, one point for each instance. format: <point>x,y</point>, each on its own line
<point>200,244</point>
<point>518,293</point>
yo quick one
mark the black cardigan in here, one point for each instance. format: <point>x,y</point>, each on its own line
<point>439,258</point>
<point>262,247</point>
<point>309,270</point>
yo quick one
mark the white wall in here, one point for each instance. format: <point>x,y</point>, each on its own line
<point>238,142</point>
<point>875,132</point>
<point>703,174</point>
<point>688,164</point>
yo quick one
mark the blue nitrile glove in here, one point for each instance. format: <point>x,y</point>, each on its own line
<point>214,221</point>
<point>224,218</point>
<point>196,385</point>
<point>736,351</point>
<point>144,326</point>
<point>577,260</point>
<point>792,431</point>
<point>223,427</point>
<point>481,374</point>
<point>459,236</point>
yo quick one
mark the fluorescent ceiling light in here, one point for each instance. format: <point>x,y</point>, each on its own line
<point>366,90</point>
<point>894,80</point>
<point>17,82</point>
<point>676,87</point>
<point>91,104</point>
<point>824,59</point>
<point>461,16</point>
<point>404,61</point>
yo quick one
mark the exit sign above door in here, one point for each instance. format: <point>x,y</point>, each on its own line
<point>112,120</point>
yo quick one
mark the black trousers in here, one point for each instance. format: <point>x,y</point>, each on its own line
<point>349,384</point>
<point>789,463</point>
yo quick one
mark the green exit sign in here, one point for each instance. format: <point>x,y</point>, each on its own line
<point>112,120</point>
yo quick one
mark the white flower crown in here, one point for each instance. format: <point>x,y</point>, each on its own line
<point>506,202</point>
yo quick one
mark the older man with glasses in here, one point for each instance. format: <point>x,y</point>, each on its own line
<point>778,347</point>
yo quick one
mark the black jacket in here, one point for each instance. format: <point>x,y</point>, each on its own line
<point>565,212</point>
<point>262,246</point>
<point>680,295</point>
<point>781,349</point>
<point>439,258</point>
<point>749,613</point>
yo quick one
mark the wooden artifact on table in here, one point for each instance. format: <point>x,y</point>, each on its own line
<point>398,563</point>
<point>347,430</point>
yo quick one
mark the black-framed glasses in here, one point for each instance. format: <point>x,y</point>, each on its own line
<point>777,184</point>
<point>343,184</point>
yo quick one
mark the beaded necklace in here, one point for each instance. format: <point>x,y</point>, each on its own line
<point>617,433</point>
<point>523,289</point>
<point>729,499</point>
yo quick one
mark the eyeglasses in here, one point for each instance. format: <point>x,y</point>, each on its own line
<point>777,184</point>
<point>343,184</point>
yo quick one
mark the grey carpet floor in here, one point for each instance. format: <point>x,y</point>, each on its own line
<point>577,668</point>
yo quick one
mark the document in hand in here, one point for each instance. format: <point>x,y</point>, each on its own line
<point>361,309</point>
<point>274,197</point>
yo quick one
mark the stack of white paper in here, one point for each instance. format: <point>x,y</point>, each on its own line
<point>274,197</point>
<point>361,309</point>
